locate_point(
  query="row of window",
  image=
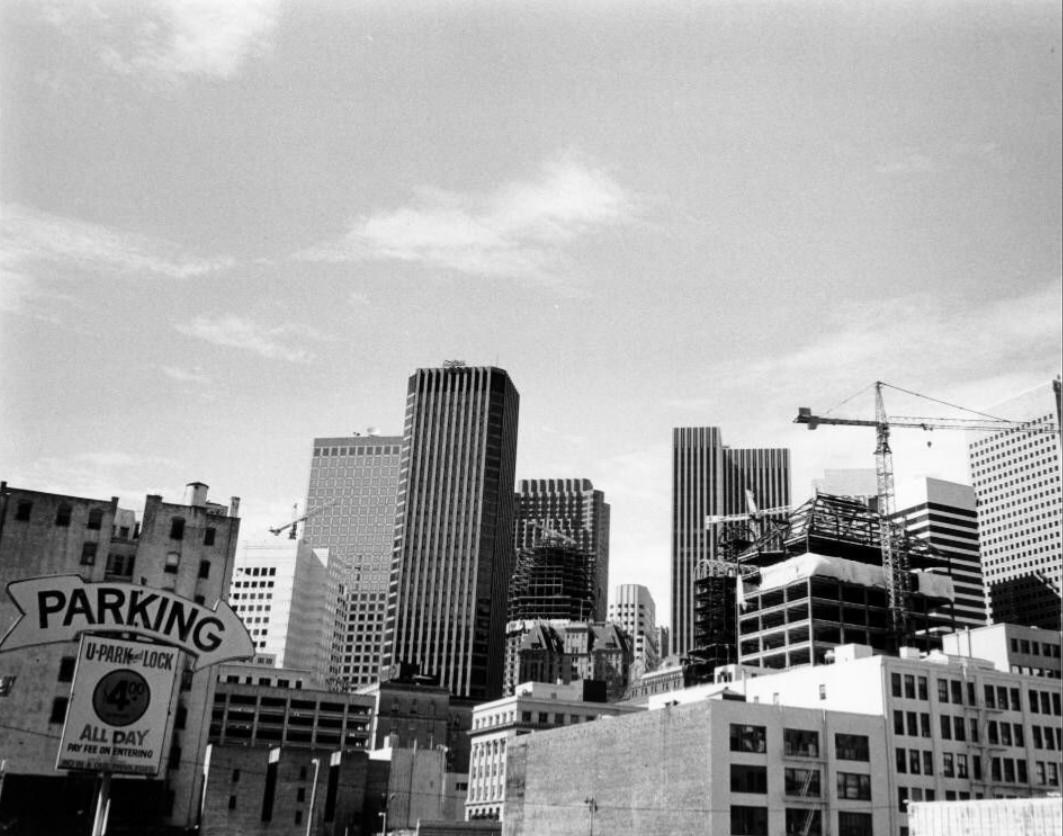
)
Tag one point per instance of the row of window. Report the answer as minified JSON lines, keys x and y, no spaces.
{"x":798,"y":742}
{"x":909,"y":686}
{"x":753,"y":821}
{"x":63,"y":514}
{"x":751,"y":778}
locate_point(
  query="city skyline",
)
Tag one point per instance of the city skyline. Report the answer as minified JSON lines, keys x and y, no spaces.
{"x":229,"y":230}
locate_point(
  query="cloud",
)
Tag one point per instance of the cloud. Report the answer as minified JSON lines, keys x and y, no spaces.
{"x":520,"y":230}
{"x":171,"y":39}
{"x":277,"y":343}
{"x":195,"y":375}
{"x":29,"y":238}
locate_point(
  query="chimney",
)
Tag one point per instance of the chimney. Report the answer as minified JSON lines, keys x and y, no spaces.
{"x":234,"y":506}
{"x":199,"y":494}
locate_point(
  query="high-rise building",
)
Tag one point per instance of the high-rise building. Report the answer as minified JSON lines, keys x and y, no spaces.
{"x":633,"y":609}
{"x":709,"y":478}
{"x":551,"y":580}
{"x":454,"y":528}
{"x":1016,"y":476}
{"x":573,"y":509}
{"x":354,"y":484}
{"x":945,"y":516}
{"x":284,"y":594}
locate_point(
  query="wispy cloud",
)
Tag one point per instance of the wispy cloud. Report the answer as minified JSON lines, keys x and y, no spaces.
{"x":194,"y":376}
{"x":29,"y":238}
{"x":520,"y":230}
{"x":276,"y":343}
{"x":172,"y":39}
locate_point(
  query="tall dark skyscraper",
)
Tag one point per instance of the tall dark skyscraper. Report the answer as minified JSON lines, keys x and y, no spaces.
{"x":575,"y":510}
{"x":709,"y":478}
{"x":454,"y":529}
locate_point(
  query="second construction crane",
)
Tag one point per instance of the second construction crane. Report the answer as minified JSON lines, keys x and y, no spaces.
{"x":894,"y":560}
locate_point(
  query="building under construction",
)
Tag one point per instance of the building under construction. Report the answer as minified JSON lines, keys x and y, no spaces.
{"x":813,"y":581}
{"x":551,"y":581}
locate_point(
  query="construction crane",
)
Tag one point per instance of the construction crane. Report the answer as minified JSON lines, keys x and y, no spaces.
{"x":294,"y":524}
{"x":894,"y":562}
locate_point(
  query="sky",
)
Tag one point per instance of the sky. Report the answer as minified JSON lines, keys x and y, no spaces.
{"x":228,"y":228}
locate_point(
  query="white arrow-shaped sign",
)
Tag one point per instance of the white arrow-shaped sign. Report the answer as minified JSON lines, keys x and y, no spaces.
{"x":57,"y":608}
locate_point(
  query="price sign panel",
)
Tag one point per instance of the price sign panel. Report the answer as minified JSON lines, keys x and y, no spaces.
{"x":116,"y":719}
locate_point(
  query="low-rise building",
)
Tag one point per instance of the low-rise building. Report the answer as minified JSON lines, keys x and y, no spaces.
{"x":719,"y":766}
{"x":1031,"y":651}
{"x":548,"y":651}
{"x":535,"y":706}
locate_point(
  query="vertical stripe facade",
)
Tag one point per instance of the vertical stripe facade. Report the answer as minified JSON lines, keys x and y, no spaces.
{"x":709,"y":478}
{"x":454,"y":528}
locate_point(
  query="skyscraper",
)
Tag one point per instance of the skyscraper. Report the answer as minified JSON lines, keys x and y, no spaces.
{"x":943,"y":514}
{"x":351,"y":499}
{"x":454,"y":528}
{"x":1017,"y":478}
{"x":709,"y":478}
{"x":633,"y":609}
{"x":573,"y":509}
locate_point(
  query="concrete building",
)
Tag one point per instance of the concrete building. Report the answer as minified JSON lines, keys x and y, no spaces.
{"x":1028,"y":816}
{"x":534,"y":707}
{"x":351,"y":499}
{"x":573,"y":509}
{"x":957,"y":728}
{"x":284,"y":594}
{"x":454,"y":534}
{"x":715,"y":766}
{"x":255,"y":791}
{"x":1016,"y":476}
{"x":568,"y":651}
{"x":632,"y":607}
{"x":709,"y":478}
{"x":188,"y":549}
{"x":1030,"y":651}
{"x":258,"y":706}
{"x":944,"y":514}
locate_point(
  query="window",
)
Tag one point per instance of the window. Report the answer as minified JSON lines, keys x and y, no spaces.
{"x":922,"y":688}
{"x":989,"y":699}
{"x":23,"y":510}
{"x":95,"y":519}
{"x":58,"y":710}
{"x":88,"y":554}
{"x":66,"y":668}
{"x":854,"y":824}
{"x":803,"y":823}
{"x":300,"y":794}
{"x":895,"y":684}
{"x":992,"y":732}
{"x":1005,"y":734}
{"x":943,"y":690}
{"x":236,"y":776}
{"x":298,"y":816}
{"x":208,"y":537}
{"x":204,"y":568}
{"x":902,"y":760}
{"x":801,"y":742}
{"x":851,"y":747}
{"x":172,"y":559}
{"x":976,"y":767}
{"x":62,"y":515}
{"x":748,"y":738}
{"x":802,"y":782}
{"x":748,"y":778}
{"x":177,"y":528}
{"x":948,"y":768}
{"x":854,"y":785}
{"x":959,"y":730}
{"x":961,"y":766}
{"x":913,"y":723}
{"x":957,"y":691}
{"x":909,"y":686}
{"x":924,"y":725}
{"x":913,"y":761}
{"x":1016,"y":701}
{"x":898,"y":722}
{"x":232,"y":802}
{"x":946,"y":726}
{"x":974,"y":730}
{"x":928,"y":763}
{"x":902,"y":799}
{"x":749,"y":821}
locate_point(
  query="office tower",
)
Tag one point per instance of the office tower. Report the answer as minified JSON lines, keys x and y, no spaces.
{"x":633,"y":609}
{"x":573,"y":509}
{"x":454,"y":528}
{"x":944,"y":515}
{"x":282,"y":591}
{"x":709,"y":478}
{"x":551,"y":580}
{"x":354,"y":484}
{"x":1016,"y":477}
